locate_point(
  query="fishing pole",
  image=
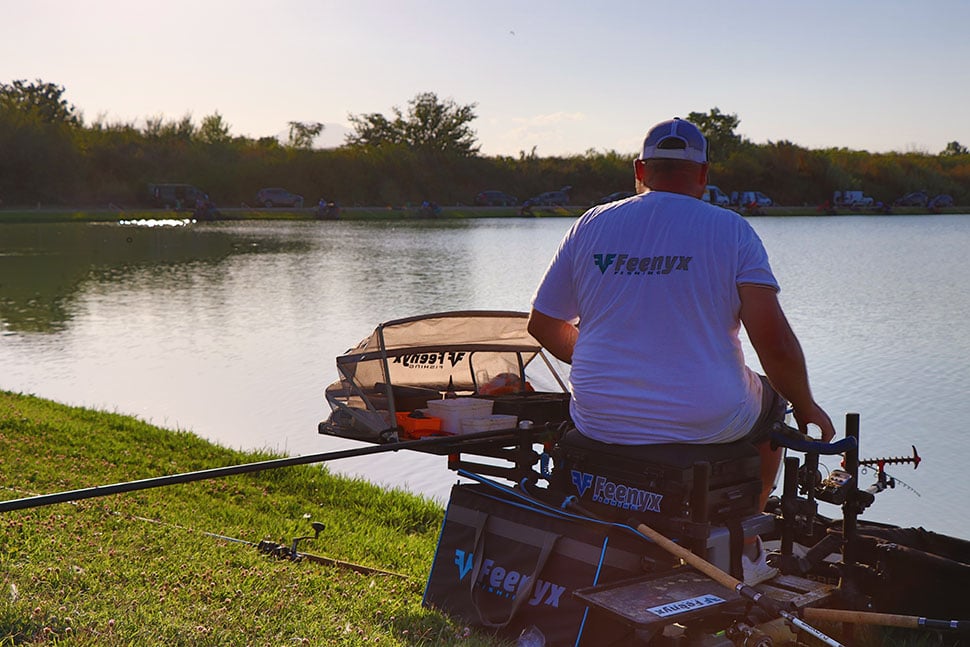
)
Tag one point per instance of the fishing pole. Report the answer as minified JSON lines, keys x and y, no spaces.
{"x":282,"y":551}
{"x":267,"y":547}
{"x":445,"y":443}
{"x":884,"y":619}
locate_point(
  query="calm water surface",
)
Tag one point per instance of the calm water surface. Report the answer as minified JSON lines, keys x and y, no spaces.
{"x":230,"y":330}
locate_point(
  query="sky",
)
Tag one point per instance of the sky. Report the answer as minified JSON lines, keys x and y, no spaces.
{"x":557,"y":77}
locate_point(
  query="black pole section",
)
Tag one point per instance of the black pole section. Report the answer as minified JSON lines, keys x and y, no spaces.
{"x":159,"y":481}
{"x":699,"y":506}
{"x":789,"y":506}
{"x":850,"y":514}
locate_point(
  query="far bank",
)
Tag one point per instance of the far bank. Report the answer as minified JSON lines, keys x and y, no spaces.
{"x":112,"y":213}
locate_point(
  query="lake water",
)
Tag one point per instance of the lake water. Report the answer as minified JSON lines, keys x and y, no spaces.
{"x":230,"y":330}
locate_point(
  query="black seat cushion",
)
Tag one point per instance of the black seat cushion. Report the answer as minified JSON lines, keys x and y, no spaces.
{"x":677,"y":455}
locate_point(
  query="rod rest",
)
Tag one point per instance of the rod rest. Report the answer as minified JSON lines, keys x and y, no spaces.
{"x":784,"y":436}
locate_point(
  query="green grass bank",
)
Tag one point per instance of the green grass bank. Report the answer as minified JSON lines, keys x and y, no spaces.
{"x":145,"y":568}
{"x":177,"y":565}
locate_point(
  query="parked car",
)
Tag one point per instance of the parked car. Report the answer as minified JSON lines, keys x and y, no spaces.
{"x":495,"y":199}
{"x":747,"y":198}
{"x":552,"y":198}
{"x":175,"y":196}
{"x":852,"y":199}
{"x":912,"y":199}
{"x":940,"y":201}
{"x":616,"y":195}
{"x":278,"y":197}
{"x":714,"y":195}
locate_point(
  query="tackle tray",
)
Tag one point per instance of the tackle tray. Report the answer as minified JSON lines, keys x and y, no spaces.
{"x":540,"y":408}
{"x":654,"y":601}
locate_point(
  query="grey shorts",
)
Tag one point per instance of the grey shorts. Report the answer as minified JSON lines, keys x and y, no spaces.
{"x":773,"y":409}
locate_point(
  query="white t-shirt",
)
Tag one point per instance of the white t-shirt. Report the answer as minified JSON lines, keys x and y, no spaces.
{"x":653,"y":282}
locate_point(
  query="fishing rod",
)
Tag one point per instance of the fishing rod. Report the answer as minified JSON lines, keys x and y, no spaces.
{"x":282,"y":551}
{"x":884,"y":619}
{"x":440,"y":443}
{"x":274,"y":549}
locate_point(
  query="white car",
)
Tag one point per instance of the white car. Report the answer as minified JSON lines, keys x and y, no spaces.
{"x":757,"y":198}
{"x":278,"y":197}
{"x":714,"y":195}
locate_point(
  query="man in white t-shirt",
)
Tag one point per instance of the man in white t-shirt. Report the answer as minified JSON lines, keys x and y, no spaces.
{"x":646,"y":297}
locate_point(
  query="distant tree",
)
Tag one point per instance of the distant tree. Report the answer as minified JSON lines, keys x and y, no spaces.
{"x":214,"y":130}
{"x":719,"y":130}
{"x":372,"y":131}
{"x":431,"y":125}
{"x":954,"y":148}
{"x":268,"y":142}
{"x":157,"y":128}
{"x":302,"y":134}
{"x":39,"y":100}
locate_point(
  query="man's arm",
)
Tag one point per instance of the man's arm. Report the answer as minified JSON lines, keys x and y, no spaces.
{"x":555,"y":335}
{"x":781,"y":355}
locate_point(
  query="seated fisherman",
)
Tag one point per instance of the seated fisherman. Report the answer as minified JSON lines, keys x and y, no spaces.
{"x":645,"y":298}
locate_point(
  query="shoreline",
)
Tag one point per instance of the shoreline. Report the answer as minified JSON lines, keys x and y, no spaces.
{"x":116,"y":213}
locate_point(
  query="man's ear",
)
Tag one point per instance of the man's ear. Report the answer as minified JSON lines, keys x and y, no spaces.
{"x":703,"y":174}
{"x":638,"y":169}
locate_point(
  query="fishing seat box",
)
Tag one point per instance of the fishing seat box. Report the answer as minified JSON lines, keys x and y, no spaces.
{"x":504,"y":564}
{"x":655,"y":482}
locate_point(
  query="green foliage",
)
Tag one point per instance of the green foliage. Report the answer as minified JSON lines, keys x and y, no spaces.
{"x":303,"y":133}
{"x":719,"y":129}
{"x":426,"y":152}
{"x":214,"y":130}
{"x":38,"y":130}
{"x":431,"y":126}
{"x":39,"y":101}
{"x":955,"y":148}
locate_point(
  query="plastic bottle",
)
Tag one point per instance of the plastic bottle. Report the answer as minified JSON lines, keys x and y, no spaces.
{"x":531,"y":637}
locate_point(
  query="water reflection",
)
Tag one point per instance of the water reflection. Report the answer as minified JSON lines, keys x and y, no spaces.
{"x":43,"y":268}
{"x":230,"y":329}
{"x":155,"y":222}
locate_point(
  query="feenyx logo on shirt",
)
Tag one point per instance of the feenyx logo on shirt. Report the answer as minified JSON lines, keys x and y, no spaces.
{"x":645,"y":265}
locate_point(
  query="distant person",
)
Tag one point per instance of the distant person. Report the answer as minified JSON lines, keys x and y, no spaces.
{"x":646,"y":298}
{"x":327,"y":210}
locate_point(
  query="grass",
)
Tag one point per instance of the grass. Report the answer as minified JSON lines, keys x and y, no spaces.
{"x":139,"y":568}
{"x":145,"y":568}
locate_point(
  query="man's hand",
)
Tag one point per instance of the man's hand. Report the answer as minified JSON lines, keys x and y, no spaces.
{"x":814,"y":415}
{"x":781,"y":355}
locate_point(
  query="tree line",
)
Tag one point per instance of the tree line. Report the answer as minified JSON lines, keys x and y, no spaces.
{"x":428,"y":151}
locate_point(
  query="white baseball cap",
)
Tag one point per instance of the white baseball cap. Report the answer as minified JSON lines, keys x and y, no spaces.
{"x":675,"y":139}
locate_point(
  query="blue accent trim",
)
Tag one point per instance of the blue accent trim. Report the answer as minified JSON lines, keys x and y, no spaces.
{"x":434,"y":559}
{"x":544,"y":470}
{"x":582,"y":626}
{"x":810,"y":446}
{"x":546,"y":509}
{"x":596,"y":580}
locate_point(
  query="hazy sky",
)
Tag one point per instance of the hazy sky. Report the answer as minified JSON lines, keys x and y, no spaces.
{"x":561,"y":76}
